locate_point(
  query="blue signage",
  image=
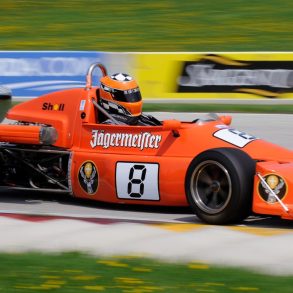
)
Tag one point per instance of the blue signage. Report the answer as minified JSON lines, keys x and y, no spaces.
{"x":32,"y":73}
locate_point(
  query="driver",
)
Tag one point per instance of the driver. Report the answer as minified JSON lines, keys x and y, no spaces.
{"x":120,"y":97}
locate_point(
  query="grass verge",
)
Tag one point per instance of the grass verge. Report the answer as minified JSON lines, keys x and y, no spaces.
{"x":204,"y":108}
{"x":166,"y":25}
{"x":75,"y":272}
{"x":218,"y":108}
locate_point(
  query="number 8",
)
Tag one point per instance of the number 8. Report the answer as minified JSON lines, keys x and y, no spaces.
{"x":136,"y":181}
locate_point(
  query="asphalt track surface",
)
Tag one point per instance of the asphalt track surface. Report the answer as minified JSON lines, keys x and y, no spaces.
{"x":48,"y":222}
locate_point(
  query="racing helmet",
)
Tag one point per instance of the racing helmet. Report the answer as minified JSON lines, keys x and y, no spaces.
{"x":120,"y":92}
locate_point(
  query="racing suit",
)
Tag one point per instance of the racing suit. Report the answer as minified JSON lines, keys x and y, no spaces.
{"x":121,"y":115}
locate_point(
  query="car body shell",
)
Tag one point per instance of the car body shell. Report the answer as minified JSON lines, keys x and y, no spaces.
{"x":146,"y":164}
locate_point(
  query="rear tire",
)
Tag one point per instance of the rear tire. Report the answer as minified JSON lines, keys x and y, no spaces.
{"x":219,"y":185}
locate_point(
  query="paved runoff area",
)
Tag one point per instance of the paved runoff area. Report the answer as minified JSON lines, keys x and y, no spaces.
{"x":266,"y":250}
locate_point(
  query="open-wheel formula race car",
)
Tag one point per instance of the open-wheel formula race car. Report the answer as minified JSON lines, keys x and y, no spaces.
{"x":58,"y":144}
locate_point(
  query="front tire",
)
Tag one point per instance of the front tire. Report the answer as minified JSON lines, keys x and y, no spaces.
{"x":219,"y":185}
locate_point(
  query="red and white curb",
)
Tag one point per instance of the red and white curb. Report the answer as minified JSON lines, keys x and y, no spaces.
{"x":264,"y":249}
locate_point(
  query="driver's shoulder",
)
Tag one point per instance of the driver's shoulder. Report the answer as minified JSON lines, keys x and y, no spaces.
{"x":149,"y":120}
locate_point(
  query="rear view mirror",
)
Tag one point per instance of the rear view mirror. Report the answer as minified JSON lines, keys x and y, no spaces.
{"x":227,"y":119}
{"x":172,"y":125}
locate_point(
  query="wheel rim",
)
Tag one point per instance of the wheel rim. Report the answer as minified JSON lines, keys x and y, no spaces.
{"x":211,"y":187}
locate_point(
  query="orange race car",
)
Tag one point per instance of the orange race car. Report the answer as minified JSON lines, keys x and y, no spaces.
{"x":59,"y":144}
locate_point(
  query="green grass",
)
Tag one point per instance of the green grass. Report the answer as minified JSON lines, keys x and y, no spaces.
{"x":74,"y":272}
{"x":133,"y":25}
{"x":193,"y":107}
{"x":218,"y":108}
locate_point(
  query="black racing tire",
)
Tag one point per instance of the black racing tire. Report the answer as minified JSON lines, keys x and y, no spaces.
{"x":219,"y":185}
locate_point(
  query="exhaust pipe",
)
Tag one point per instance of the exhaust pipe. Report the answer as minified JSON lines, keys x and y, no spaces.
{"x":28,"y":134}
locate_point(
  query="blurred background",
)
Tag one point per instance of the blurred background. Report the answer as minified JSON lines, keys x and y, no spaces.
{"x":175,"y":26}
{"x":165,"y":25}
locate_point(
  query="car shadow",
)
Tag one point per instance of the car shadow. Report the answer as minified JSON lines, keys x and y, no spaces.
{"x":182,"y":215}
{"x":35,"y":197}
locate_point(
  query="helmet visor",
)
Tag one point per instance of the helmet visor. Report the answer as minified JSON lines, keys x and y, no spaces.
{"x":130,"y":96}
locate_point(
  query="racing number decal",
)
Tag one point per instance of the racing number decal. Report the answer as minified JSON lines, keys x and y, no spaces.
{"x":137,"y":181}
{"x":235,"y":137}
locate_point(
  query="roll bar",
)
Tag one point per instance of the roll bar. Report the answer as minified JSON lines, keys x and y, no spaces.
{"x":89,"y":76}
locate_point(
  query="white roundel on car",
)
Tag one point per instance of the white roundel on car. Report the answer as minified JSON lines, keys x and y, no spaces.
{"x":235,"y":137}
{"x":121,"y":77}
